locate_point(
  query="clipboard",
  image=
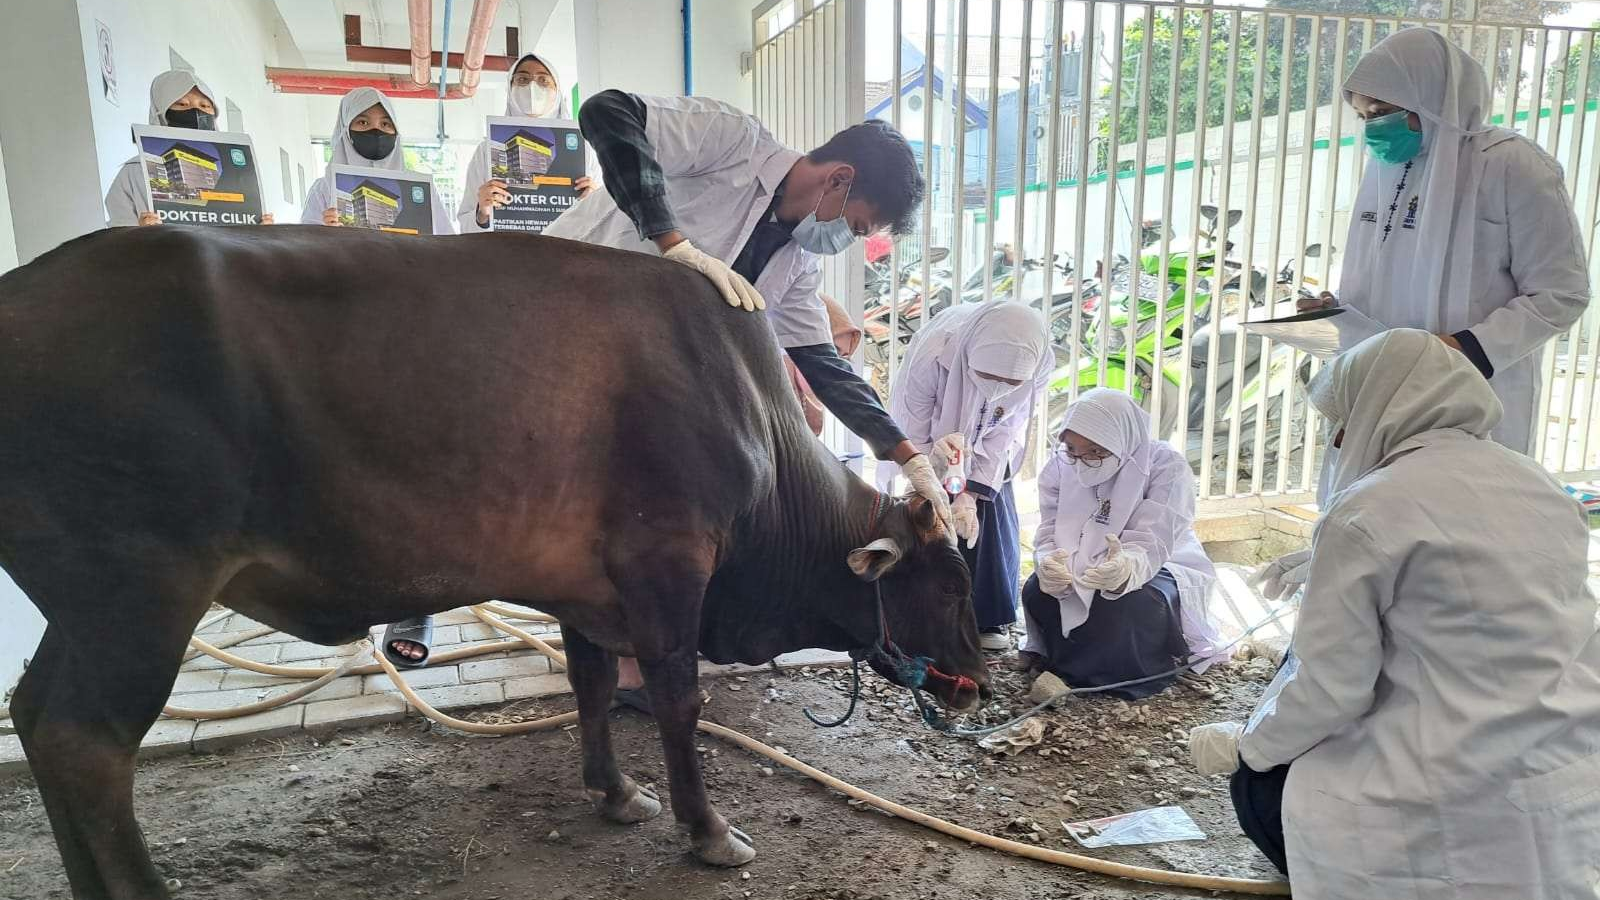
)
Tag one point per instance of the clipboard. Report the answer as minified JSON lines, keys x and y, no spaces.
{"x":1323,"y":333}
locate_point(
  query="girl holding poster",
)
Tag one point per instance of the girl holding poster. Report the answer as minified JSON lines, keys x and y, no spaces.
{"x":177,"y":100}
{"x":365,"y":135}
{"x":535,"y":93}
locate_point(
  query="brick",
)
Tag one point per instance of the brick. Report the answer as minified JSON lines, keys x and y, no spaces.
{"x":417,"y":679}
{"x":813,"y":658}
{"x":241,"y":679}
{"x":462,"y":696}
{"x":266,"y":653}
{"x":512,"y":667}
{"x":455,"y":617}
{"x":217,"y":733}
{"x":207,"y":680}
{"x":479,"y":632}
{"x":352,"y":712}
{"x":12,"y":760}
{"x":339,"y":689}
{"x":551,"y":685}
{"x":297,"y":651}
{"x":446,"y":634}
{"x":166,"y":737}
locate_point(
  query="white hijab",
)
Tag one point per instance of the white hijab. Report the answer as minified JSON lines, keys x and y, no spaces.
{"x":1417,"y":70}
{"x":169,"y":87}
{"x":354,"y":104}
{"x":1393,"y":387}
{"x":998,"y":338}
{"x":1085,"y":515}
{"x":514,"y":107}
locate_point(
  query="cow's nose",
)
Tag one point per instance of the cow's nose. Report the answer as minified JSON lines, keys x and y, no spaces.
{"x":985,"y":693}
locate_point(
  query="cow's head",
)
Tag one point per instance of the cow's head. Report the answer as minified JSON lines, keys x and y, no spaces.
{"x":927,"y":597}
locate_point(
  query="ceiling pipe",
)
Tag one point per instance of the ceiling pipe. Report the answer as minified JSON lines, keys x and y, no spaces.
{"x":335,"y":82}
{"x":483,"y":13}
{"x":420,"y":14}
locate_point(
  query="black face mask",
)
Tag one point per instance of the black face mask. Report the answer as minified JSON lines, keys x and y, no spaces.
{"x":373,"y":144}
{"x":193,"y":117}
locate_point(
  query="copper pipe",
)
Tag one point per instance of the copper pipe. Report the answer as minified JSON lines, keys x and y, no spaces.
{"x":420,"y":14}
{"x":483,"y":12}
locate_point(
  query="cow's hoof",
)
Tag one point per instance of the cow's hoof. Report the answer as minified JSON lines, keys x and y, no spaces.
{"x":638,"y":804}
{"x":733,"y":848}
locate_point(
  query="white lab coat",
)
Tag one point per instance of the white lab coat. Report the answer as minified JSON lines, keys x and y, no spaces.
{"x":1481,"y":234}
{"x":721,"y":167}
{"x":1441,"y":703}
{"x":1161,"y":524}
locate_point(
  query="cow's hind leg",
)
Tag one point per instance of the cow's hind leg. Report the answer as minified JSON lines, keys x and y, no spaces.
{"x":593,"y":672}
{"x":108,"y":662}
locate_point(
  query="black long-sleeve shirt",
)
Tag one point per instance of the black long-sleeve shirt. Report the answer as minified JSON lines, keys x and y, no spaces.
{"x":613,"y":122}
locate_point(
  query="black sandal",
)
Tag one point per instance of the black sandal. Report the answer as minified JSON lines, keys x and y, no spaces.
{"x":417,"y":631}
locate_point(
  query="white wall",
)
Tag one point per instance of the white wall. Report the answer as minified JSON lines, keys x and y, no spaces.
{"x":637,"y":46}
{"x":8,"y":237}
{"x":229,"y":44}
{"x":721,"y":33}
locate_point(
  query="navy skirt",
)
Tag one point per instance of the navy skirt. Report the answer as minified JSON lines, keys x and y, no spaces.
{"x":996,"y":562}
{"x":1137,"y":635}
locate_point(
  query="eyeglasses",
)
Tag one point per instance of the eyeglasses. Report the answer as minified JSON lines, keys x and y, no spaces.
{"x":522,"y":78}
{"x":1092,"y":459}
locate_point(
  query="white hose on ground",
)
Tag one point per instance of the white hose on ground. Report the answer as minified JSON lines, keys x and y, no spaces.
{"x":487,"y":613}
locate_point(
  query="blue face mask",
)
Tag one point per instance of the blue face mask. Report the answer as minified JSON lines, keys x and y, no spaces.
{"x":1391,"y":140}
{"x":825,"y":238}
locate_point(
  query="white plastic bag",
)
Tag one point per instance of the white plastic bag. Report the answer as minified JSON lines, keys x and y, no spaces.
{"x":1147,"y":826}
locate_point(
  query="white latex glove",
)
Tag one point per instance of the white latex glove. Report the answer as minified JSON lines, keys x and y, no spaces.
{"x":949,"y":452}
{"x":965,"y":511}
{"x":734,"y":288}
{"x":1122,"y":569}
{"x":919,"y":472}
{"x":1055,"y":573}
{"x":1214,"y":748}
{"x":1284,"y":575}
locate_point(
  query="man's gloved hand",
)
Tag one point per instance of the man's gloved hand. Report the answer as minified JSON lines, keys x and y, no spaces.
{"x":734,"y":288}
{"x":1284,"y":575}
{"x":1214,"y":748}
{"x":1123,"y":568}
{"x":1055,"y":573}
{"x":965,"y":512}
{"x":919,"y":472}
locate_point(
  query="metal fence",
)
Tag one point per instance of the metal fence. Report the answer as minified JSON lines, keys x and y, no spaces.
{"x":1151,"y":175}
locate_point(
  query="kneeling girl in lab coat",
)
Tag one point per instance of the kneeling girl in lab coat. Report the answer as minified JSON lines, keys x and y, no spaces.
{"x":1120,"y":586}
{"x":1434,"y":733}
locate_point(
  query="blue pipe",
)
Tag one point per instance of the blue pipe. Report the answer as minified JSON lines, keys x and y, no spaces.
{"x":688,"y":48}
{"x":444,"y":67}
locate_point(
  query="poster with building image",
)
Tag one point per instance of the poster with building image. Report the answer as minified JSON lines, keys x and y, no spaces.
{"x":540,"y":161}
{"x":199,"y":177}
{"x":383,"y":199}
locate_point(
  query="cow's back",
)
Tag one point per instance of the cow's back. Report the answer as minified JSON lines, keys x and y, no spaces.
{"x":331,"y":397}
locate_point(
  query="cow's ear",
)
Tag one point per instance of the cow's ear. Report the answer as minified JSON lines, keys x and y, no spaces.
{"x":872,"y":561}
{"x":925,"y":520}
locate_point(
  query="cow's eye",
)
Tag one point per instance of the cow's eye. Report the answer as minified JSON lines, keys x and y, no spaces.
{"x":951,"y":588}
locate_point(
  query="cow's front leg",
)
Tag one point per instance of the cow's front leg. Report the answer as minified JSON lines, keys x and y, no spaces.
{"x":593,"y":673}
{"x":673,"y":684}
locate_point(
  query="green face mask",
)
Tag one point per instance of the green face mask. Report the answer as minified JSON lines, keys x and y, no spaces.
{"x":1391,"y":139}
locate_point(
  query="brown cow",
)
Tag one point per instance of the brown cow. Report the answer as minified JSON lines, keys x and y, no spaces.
{"x":328,"y":428}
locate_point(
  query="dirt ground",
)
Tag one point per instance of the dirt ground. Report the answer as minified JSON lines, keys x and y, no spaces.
{"x":412,"y":810}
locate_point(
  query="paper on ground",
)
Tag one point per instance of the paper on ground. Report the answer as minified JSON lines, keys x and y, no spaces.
{"x":1324,"y":333}
{"x":1147,"y":826}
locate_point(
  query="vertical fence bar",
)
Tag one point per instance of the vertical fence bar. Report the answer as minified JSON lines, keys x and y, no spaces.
{"x":1052,"y":191}
{"x":1136,"y":240}
{"x":1303,"y":227}
{"x":991,"y":207}
{"x":1536,"y":84}
{"x":1196,"y":194}
{"x":1108,"y":230}
{"x":1519,"y":37}
{"x":1019,"y":178}
{"x":1279,"y":172}
{"x":1575,"y":160}
{"x":958,"y":121}
{"x":1587,"y":229}
{"x":1541,"y":434}
{"x":1169,"y":190}
{"x":1219,"y":267}
{"x":1241,"y":340}
{"x":1086,"y":56}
